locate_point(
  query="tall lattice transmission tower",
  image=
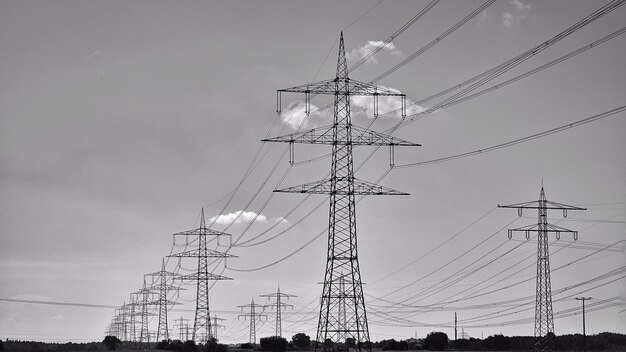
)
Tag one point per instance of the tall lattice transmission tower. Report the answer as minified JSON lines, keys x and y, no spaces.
{"x":202,"y":331}
{"x":544,"y":321}
{"x":342,"y":186}
{"x":162,"y":287}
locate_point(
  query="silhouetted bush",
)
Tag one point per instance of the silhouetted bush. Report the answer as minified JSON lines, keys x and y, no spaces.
{"x":274,"y":344}
{"x":436,"y":341}
{"x":111,"y":342}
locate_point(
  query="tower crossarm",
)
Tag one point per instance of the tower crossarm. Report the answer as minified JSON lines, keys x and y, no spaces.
{"x":202,"y":276}
{"x":325,"y":187}
{"x":541,"y":204}
{"x":536,"y":205}
{"x":202,"y":231}
{"x":164,"y":273}
{"x":196,"y":253}
{"x":360,"y":136}
{"x":167,"y":287}
{"x":558,"y":230}
{"x":350,"y":87}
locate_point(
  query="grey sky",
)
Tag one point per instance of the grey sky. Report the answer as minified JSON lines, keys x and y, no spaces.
{"x":119,"y":120}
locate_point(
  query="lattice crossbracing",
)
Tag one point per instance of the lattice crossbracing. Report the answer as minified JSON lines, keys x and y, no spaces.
{"x":342,"y":320}
{"x":544,"y":321}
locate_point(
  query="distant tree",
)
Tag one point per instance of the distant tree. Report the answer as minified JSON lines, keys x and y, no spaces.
{"x":1,"y":346}
{"x":496,"y":342}
{"x":111,"y":342}
{"x":301,"y":341}
{"x":163,"y":345}
{"x":274,"y":344}
{"x":213,"y":346}
{"x":189,"y":346}
{"x":436,"y":341}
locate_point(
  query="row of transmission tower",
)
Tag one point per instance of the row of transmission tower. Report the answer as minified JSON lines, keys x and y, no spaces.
{"x":131,"y":321}
{"x":342,"y":323}
{"x":278,"y":306}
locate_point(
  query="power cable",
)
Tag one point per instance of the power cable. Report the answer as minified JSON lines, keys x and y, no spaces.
{"x":519,"y":140}
{"x":394,"y":35}
{"x":435,"y":41}
{"x":497,"y":71}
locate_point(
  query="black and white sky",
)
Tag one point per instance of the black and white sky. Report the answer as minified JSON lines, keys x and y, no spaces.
{"x":120,"y":120}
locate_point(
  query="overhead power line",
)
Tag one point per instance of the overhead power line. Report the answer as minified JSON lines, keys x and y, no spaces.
{"x":57,"y":303}
{"x":435,"y":41}
{"x":519,"y":140}
{"x":394,"y":35}
{"x":487,"y":76}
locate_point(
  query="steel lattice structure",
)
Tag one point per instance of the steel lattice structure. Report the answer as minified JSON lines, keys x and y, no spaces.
{"x":216,"y":324}
{"x":351,"y":332}
{"x":144,"y":300}
{"x":163,"y":288}
{"x":202,"y":331}
{"x":544,"y":321}
{"x":253,"y":316}
{"x":279,"y":308}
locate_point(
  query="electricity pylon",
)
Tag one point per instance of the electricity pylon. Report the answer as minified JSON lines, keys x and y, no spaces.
{"x":132,"y":318}
{"x":342,"y":187}
{"x":183,"y":328}
{"x":202,"y":320}
{"x":279,"y":307}
{"x":163,"y":287}
{"x":216,"y":324}
{"x":544,"y":321}
{"x":252,"y":316}
{"x":145,"y":292}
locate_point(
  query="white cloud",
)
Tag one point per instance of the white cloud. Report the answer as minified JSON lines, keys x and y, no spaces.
{"x":507,"y":19}
{"x":359,"y":53}
{"x":294,"y":115}
{"x":520,"y":5}
{"x":241,"y":216}
{"x":365,"y":105}
{"x":482,"y":17}
{"x":238,"y":217}
{"x":519,"y":13}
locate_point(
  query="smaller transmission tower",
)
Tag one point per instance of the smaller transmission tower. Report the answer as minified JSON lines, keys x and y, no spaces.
{"x":253,"y":317}
{"x":216,"y":324}
{"x":183,"y":328}
{"x":146,"y":300}
{"x":280,"y":306}
{"x":131,"y":311}
{"x":162,"y":288}
{"x":544,"y":321}
{"x":202,"y":322}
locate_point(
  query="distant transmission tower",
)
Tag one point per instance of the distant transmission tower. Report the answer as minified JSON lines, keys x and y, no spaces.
{"x":216,"y":324}
{"x":202,"y":331}
{"x":253,"y":317}
{"x":342,"y":188}
{"x":146,"y":300}
{"x":132,"y":313}
{"x":183,"y":328}
{"x":544,"y":322}
{"x":162,"y":276}
{"x":279,"y":308}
